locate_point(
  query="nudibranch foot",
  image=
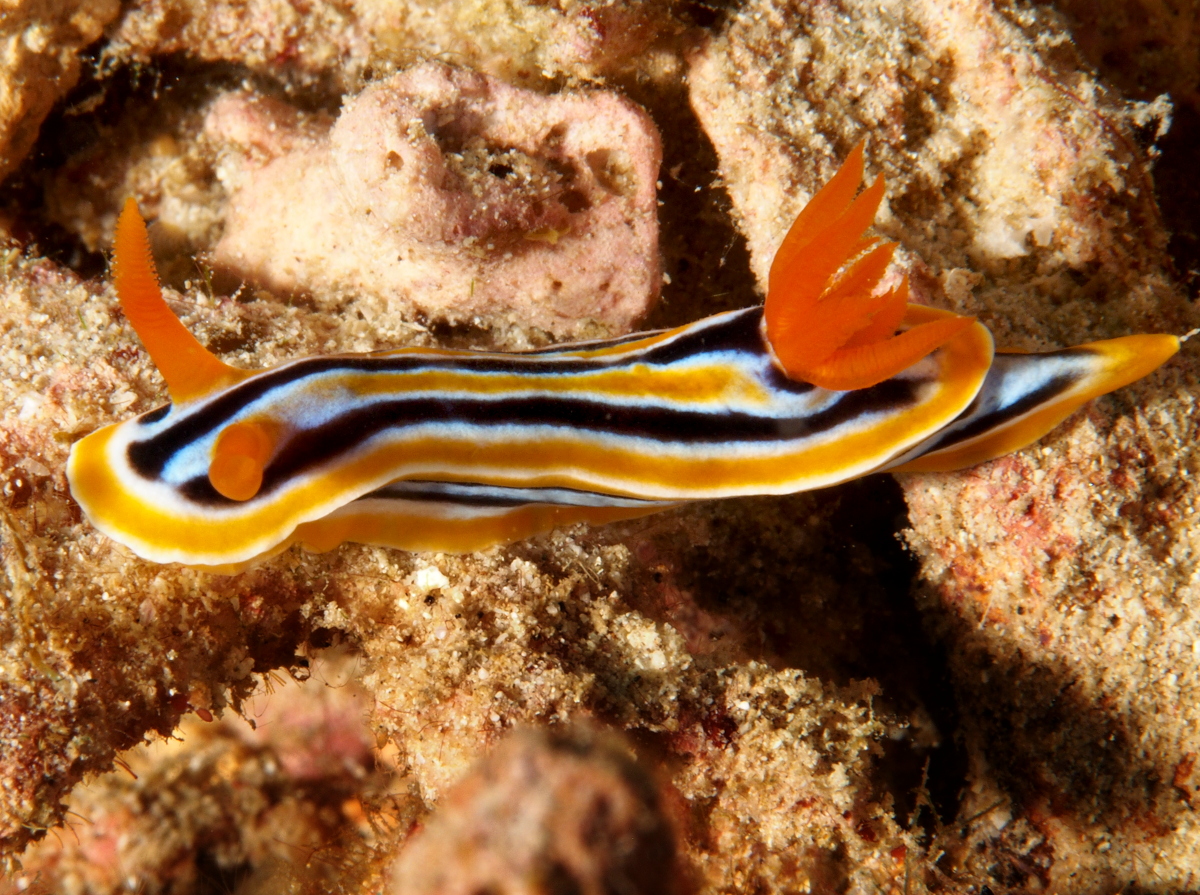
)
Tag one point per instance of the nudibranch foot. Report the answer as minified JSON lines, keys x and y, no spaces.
{"x":449,"y":517}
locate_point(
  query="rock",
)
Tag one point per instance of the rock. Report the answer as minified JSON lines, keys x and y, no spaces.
{"x":348,"y":43}
{"x":40,"y":44}
{"x":563,"y":810}
{"x":280,"y":806}
{"x":448,"y":193}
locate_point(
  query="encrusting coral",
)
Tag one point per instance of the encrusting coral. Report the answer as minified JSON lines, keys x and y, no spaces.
{"x":449,"y":193}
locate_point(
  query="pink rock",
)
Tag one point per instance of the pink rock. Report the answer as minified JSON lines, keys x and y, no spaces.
{"x":448,"y":193}
{"x":261,"y":127}
{"x":547,"y":812}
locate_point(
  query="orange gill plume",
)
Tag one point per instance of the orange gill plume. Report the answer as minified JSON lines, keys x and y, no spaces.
{"x":824,"y":320}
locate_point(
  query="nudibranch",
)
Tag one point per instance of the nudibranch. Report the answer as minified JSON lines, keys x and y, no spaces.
{"x":453,"y":450}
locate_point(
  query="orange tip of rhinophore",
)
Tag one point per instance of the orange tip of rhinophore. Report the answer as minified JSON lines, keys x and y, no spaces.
{"x":239,"y":457}
{"x":832,"y":329}
{"x":191,"y":371}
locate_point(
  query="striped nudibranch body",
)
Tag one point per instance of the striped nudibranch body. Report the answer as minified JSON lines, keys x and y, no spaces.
{"x":428,"y":449}
{"x":694,"y":413}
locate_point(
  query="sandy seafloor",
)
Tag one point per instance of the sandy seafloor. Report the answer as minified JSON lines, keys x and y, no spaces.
{"x":969,"y":682}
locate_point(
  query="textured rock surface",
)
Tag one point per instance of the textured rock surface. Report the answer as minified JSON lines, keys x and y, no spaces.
{"x":283,"y":802}
{"x":546,"y":812}
{"x":344,"y":43}
{"x":452,"y":194}
{"x":762,"y":656}
{"x":40,"y":43}
{"x":465,"y":648}
{"x":1063,"y":580}
{"x":1146,"y":48}
{"x":1016,"y":185}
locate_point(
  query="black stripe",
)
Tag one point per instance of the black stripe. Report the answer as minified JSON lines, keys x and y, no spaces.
{"x":481,"y":495}
{"x":153,"y":416}
{"x":318,"y":446}
{"x":461,"y":498}
{"x":741,"y":332}
{"x":1000,"y":416}
{"x":149,"y":456}
{"x":593,"y":344}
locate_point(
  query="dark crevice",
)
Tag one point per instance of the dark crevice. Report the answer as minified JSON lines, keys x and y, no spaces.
{"x":112,"y":106}
{"x":1177,"y":183}
{"x":896,"y":650}
{"x":216,"y":877}
{"x":710,"y":15}
{"x":704,"y":254}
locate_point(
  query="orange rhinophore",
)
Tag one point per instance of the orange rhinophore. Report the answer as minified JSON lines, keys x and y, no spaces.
{"x":240,"y":454}
{"x":833,"y":329}
{"x":190,"y":369}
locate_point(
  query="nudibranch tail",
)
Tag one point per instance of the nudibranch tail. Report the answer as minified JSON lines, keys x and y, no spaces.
{"x":191,"y":371}
{"x":833,"y":330}
{"x":1026,"y":395}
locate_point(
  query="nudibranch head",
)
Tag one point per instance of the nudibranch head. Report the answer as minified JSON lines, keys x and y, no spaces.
{"x":155,"y":491}
{"x":189,"y":503}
